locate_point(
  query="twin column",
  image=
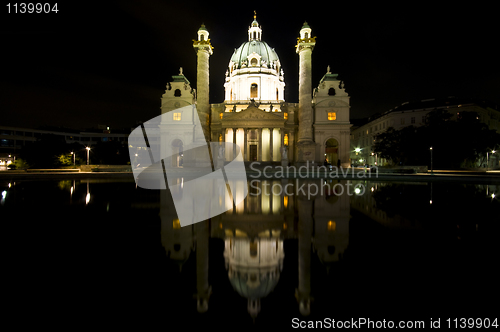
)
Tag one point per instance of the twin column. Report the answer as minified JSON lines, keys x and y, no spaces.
{"x":244,"y":148}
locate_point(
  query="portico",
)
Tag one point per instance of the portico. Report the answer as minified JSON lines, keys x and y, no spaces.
{"x":261,"y":135}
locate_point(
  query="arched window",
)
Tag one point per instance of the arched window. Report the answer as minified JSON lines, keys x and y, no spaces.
{"x":254,"y":35}
{"x":306,"y":35}
{"x":202,"y":37}
{"x":231,"y":95}
{"x":277,"y":94}
{"x":177,"y":93}
{"x":253,"y":62}
{"x":331,"y":92}
{"x":253,"y":91}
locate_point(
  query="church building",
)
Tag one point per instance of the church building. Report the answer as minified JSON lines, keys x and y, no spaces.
{"x":255,"y":115}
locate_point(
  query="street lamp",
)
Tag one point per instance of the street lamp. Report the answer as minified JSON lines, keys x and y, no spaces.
{"x":487,"y":160}
{"x":431,"y":161}
{"x":88,"y":149}
{"x":73,"y":158}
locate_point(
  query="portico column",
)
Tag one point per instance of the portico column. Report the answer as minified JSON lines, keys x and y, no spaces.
{"x":282,"y":136}
{"x":245,"y":154}
{"x":259,"y":154}
{"x":271,"y":143}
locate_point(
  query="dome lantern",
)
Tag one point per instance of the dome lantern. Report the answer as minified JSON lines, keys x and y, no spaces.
{"x":254,"y":31}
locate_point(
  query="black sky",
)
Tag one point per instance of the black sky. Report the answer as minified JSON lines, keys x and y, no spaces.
{"x":108,"y":62}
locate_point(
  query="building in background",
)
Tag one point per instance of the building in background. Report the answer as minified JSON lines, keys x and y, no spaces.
{"x":414,"y":114}
{"x":12,"y":139}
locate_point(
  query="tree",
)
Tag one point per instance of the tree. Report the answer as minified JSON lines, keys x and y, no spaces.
{"x":460,"y":143}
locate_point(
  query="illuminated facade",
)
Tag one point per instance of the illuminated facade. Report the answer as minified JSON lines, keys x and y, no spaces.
{"x":256,"y":116}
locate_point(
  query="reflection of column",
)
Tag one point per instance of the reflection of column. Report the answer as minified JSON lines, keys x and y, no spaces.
{"x":303,"y":292}
{"x":245,"y":150}
{"x":259,"y":157}
{"x":234,"y":142}
{"x":271,"y":143}
{"x":203,"y":288}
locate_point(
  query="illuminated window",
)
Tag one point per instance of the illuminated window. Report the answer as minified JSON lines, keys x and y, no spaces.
{"x":332,"y":116}
{"x":253,"y":90}
{"x":332,"y":225}
{"x":285,"y":139}
{"x":176,"y":224}
{"x":253,"y":62}
{"x":285,"y":202}
{"x":177,"y":116}
{"x":285,"y":116}
{"x":220,"y":137}
{"x":221,"y":115}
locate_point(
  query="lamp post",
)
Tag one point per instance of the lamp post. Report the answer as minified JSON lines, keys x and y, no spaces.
{"x":88,"y":149}
{"x":488,"y":160}
{"x":431,"y":161}
{"x":73,"y":158}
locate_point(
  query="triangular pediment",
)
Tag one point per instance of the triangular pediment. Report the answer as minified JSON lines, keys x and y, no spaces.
{"x":252,"y":113}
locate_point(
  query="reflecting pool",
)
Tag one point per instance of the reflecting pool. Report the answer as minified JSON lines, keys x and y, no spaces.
{"x":91,"y":249}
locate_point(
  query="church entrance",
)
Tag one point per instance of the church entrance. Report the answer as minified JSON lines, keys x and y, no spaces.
{"x":177,"y":153}
{"x":253,"y":153}
{"x":331,"y":152}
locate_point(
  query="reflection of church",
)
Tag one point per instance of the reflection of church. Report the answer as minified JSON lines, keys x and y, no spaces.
{"x":254,"y":232}
{"x":254,"y":114}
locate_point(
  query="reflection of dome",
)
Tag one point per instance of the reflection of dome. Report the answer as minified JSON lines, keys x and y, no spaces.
{"x":254,"y":266}
{"x":254,"y":283}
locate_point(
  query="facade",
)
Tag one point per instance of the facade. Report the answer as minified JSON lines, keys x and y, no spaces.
{"x":255,"y":115}
{"x":414,"y":114}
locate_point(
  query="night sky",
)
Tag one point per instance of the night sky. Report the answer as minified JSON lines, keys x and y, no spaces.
{"x":93,"y":64}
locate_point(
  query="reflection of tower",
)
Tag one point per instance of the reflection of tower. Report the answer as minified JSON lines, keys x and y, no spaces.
{"x":203,"y":289}
{"x":203,"y":50}
{"x":254,"y":265}
{"x":179,"y":242}
{"x":331,"y":223}
{"x":305,"y":140}
{"x":303,"y":292}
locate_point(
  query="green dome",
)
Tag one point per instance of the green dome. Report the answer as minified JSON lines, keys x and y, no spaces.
{"x":267,"y":53}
